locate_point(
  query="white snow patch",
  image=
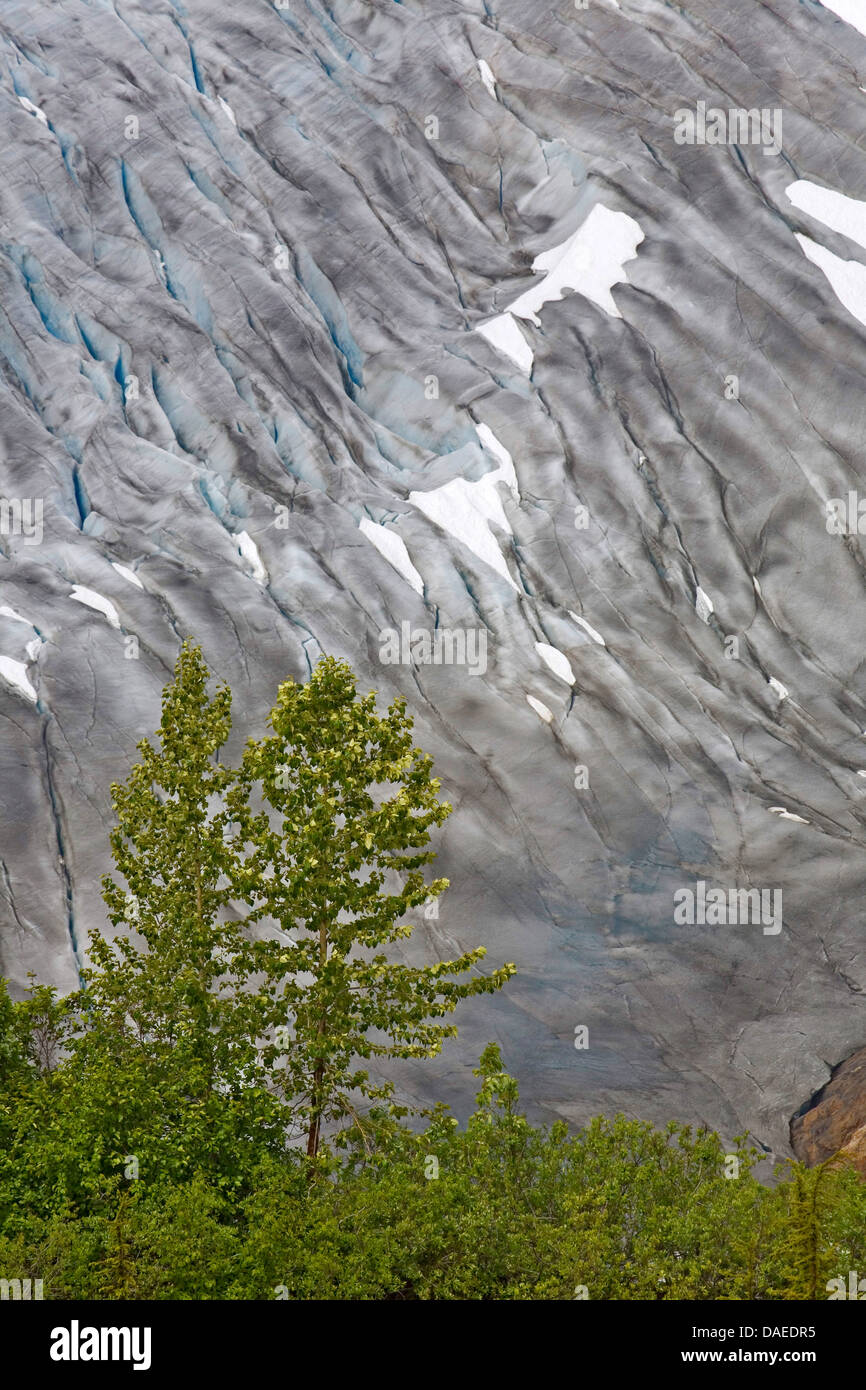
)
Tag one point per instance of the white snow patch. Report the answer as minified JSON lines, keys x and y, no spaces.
{"x":228,"y":110}
{"x":558,"y":663}
{"x":780,"y":689}
{"x":836,"y":210}
{"x":487,"y":77}
{"x":844,"y":215}
{"x":31,"y":647}
{"x":250,"y":551}
{"x":94,"y":600}
{"x":127,"y":574}
{"x":465,"y":510}
{"x":852,"y":11}
{"x":504,"y":334}
{"x":15,"y":672}
{"x":393,"y":547}
{"x":540,"y":709}
{"x":587,"y":627}
{"x":847,"y":278}
{"x":703,"y":605}
{"x":788,"y":815}
{"x":34,"y":110}
{"x":7,"y":612}
{"x":506,"y":471}
{"x":590,"y":262}
{"x":861,"y":772}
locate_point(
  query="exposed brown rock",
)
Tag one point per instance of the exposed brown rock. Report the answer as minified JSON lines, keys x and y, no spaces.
{"x":834,"y":1119}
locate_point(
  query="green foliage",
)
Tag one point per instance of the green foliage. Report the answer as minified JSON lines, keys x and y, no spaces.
{"x":497,"y":1209}
{"x":149,"y":1123}
{"x":161,"y":1066}
{"x":809,"y":1198}
{"x":354,"y":803}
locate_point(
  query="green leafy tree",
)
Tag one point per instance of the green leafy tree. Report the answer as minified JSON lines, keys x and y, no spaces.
{"x":336,"y":857}
{"x":168,"y":1052}
{"x":809,"y":1199}
{"x":35,"y":1034}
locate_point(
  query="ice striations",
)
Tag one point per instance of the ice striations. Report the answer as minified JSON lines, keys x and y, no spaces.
{"x":336,"y":326}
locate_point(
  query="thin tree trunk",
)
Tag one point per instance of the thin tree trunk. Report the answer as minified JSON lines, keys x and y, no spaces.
{"x":319,"y":1073}
{"x":315,"y":1122}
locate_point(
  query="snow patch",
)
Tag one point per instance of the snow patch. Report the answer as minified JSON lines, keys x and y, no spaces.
{"x":590,"y":262}
{"x":487,"y":77}
{"x":504,"y":334}
{"x":780,"y":689}
{"x":465,"y":510}
{"x":228,"y":110}
{"x":393,"y":547}
{"x":127,"y":574}
{"x":852,"y":11}
{"x":94,"y":600}
{"x":540,"y":709}
{"x":506,"y":471}
{"x":788,"y":815}
{"x":558,"y":663}
{"x":7,"y":612}
{"x":34,"y":110}
{"x":837,"y":211}
{"x":15,"y":672}
{"x":596,"y":636}
{"x":250,"y":551}
{"x":703,"y":605}
{"x":847,"y":278}
{"x":35,"y":642}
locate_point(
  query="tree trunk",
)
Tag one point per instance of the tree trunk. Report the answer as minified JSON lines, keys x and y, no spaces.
{"x":319,"y":1073}
{"x":316,"y":1119}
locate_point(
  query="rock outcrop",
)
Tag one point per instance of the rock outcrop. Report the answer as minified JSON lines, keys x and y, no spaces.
{"x":834,"y":1120}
